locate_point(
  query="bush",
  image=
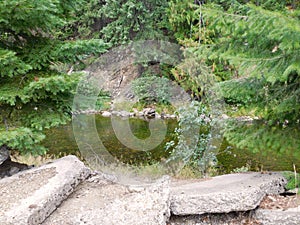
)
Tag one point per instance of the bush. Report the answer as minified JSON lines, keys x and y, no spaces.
{"x":152,"y":89}
{"x":193,"y":134}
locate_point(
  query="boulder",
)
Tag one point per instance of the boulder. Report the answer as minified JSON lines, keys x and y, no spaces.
{"x":124,"y":113}
{"x":223,"y":194}
{"x":115,"y":113}
{"x":149,"y":112}
{"x":4,"y":153}
{"x":157,"y":116}
{"x":9,"y":168}
{"x":29,"y":197}
{"x":114,"y":71}
{"x":106,"y":114}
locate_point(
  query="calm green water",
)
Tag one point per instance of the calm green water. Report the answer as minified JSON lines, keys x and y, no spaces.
{"x":61,"y":141}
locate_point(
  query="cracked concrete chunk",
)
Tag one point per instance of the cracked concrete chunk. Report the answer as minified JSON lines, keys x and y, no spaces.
{"x":223,"y":194}
{"x":100,"y":203}
{"x":271,"y":217}
{"x":31,"y":196}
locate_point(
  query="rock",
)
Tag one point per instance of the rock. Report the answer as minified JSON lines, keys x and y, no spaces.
{"x":223,"y":194}
{"x":167,"y":116}
{"x":29,"y":197}
{"x":225,"y":117}
{"x":124,"y":113}
{"x":149,"y":112}
{"x":98,"y":177}
{"x":115,"y":113}
{"x":106,"y":114}
{"x":128,"y":93}
{"x":9,"y":168}
{"x":114,"y":71}
{"x":135,"y":111}
{"x":271,"y":217}
{"x":108,"y":203}
{"x":4,"y":153}
{"x":244,"y":119}
{"x":140,"y":114}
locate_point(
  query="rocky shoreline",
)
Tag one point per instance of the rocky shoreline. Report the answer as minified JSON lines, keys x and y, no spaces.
{"x":147,"y":113}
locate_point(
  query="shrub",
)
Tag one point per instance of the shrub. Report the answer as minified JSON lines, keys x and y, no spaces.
{"x":152,"y":89}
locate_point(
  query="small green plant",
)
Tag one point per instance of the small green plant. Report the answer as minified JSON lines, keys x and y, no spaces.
{"x":293,"y":181}
{"x":152,"y":89}
{"x":193,"y":136}
{"x":242,"y":169}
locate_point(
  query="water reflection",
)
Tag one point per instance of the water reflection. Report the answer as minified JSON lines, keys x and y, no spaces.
{"x":260,"y":147}
{"x":62,"y":140}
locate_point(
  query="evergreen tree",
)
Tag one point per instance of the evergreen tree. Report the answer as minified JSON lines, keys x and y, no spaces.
{"x":133,"y":20}
{"x":36,"y":58}
{"x":263,"y":46}
{"x":254,"y":46}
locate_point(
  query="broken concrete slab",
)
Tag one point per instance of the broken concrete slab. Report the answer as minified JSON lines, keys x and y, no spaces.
{"x":271,"y":217}
{"x":97,"y":201}
{"x":31,"y":196}
{"x":223,"y":194}
{"x":233,"y":218}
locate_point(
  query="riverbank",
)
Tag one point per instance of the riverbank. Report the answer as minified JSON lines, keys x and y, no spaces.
{"x":147,"y":113}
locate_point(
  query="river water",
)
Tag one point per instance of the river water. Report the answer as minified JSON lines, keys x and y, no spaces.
{"x":60,"y":141}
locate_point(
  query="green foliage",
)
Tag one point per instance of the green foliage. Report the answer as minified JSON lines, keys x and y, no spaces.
{"x":293,"y":180}
{"x":11,"y":65}
{"x":40,"y":16}
{"x":184,"y":23}
{"x":276,"y":103}
{"x":238,"y":41}
{"x":133,"y":20}
{"x":23,"y":139}
{"x":253,"y":39}
{"x":152,"y":89}
{"x":87,"y":21}
{"x":242,"y":169}
{"x":193,"y":75}
{"x":193,"y":136}
{"x":190,"y":30}
{"x":243,"y":91}
{"x":51,"y":52}
{"x":34,"y":94}
{"x":259,"y":137}
{"x":254,"y":46}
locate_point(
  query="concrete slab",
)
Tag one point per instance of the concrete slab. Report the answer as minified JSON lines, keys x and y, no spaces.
{"x":223,"y":194}
{"x":271,"y":217}
{"x":31,"y":196}
{"x":233,"y":218}
{"x":99,"y":202}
